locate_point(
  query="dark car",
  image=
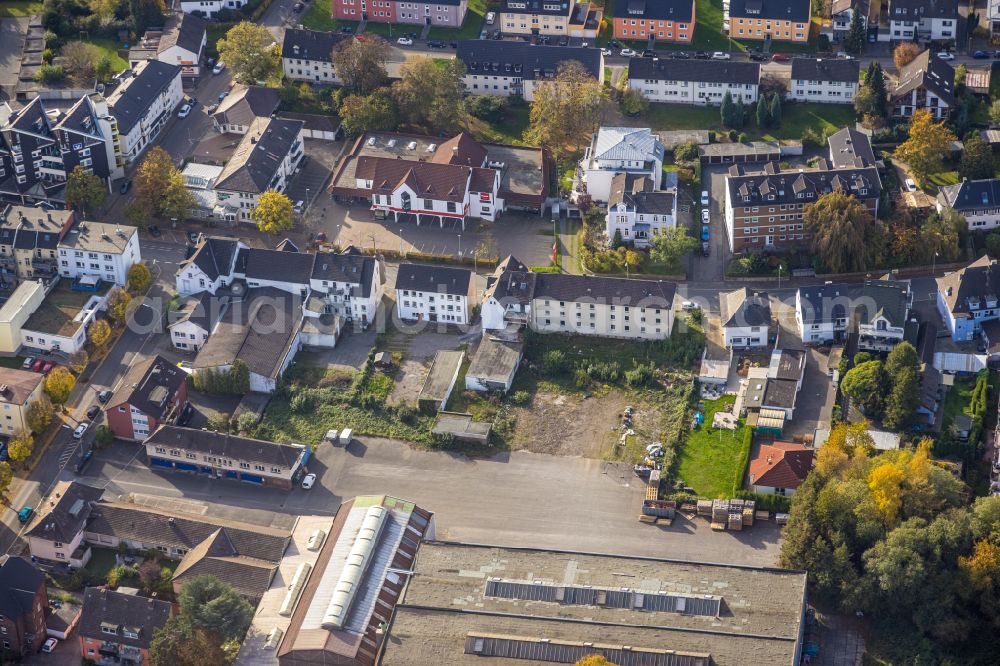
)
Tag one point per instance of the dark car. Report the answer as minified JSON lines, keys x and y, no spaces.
{"x":615,"y":44}
{"x":298,"y":7}
{"x":563,"y":41}
{"x":981,"y":55}
{"x":186,"y":414}
{"x":453,"y":45}
{"x":497,"y":34}
{"x":126,"y":186}
{"x":434,"y":44}
{"x":701,"y":55}
{"x":347,"y":29}
{"x":153,"y":230}
{"x":649,"y":53}
{"x":93,"y":411}
{"x":758,"y":57}
{"x":705,"y":249}
{"x":82,"y":462}
{"x":682,"y":55}
{"x":104,"y":396}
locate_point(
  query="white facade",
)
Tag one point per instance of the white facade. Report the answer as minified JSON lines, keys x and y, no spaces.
{"x":67,"y":344}
{"x":621,"y":149}
{"x":209,"y":8}
{"x":745,"y":336}
{"x":311,"y":71}
{"x":911,"y":102}
{"x":926,"y":28}
{"x":841,"y":22}
{"x":189,"y":62}
{"x":879,"y":335}
{"x":344,"y":299}
{"x":829,"y":92}
{"x":416,"y":305}
{"x":187,"y":336}
{"x":584,"y":317}
{"x":699,"y":93}
{"x":404,"y":199}
{"x":638,"y":228}
{"x":243,"y":203}
{"x":145,"y":131}
{"x":105,"y":260}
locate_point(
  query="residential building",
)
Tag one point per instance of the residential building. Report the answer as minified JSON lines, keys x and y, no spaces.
{"x":99,"y":250}
{"x":824,"y":80}
{"x":925,"y":83}
{"x":219,"y":455}
{"x":659,"y":20}
{"x":765,"y":210}
{"x":118,"y":627}
{"x":60,"y":321}
{"x":882,"y":314}
{"x":967,"y":298}
{"x":242,"y":106}
{"x":772,"y":392}
{"x":143,"y":102}
{"x":851,"y":148}
{"x":307,"y":55}
{"x":700,"y":82}
{"x":779,"y":468}
{"x":16,"y":311}
{"x":351,"y":283}
{"x":467,"y":179}
{"x":912,"y":20}
{"x":993,"y":16}
{"x":153,"y":392}
{"x":442,"y":13}
{"x":76,"y":519}
{"x":493,"y":366}
{"x":87,"y":136}
{"x":210,"y":8}
{"x":264,"y":160}
{"x":29,"y":241}
{"x":778,"y":20}
{"x":435,"y":294}
{"x":562,"y":18}
{"x":842,"y":14}
{"x":557,"y":606}
{"x":24,"y":601}
{"x":194,"y":319}
{"x":507,"y":68}
{"x":746,"y":317}
{"x":620,"y":149}
{"x":577,"y":304}
{"x":977,"y":200}
{"x":212,"y":266}
{"x":18,"y":389}
{"x":822,"y":312}
{"x":637,"y":214}
{"x":181,"y":41}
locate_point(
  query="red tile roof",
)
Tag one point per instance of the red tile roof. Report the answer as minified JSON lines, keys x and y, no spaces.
{"x":781,"y":465}
{"x":460,"y":149}
{"x":442,"y":182}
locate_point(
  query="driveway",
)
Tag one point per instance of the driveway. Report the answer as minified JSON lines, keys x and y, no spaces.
{"x":12,"y":31}
{"x":713,"y":267}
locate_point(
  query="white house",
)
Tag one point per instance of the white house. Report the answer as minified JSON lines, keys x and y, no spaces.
{"x":636,"y":213}
{"x":352,"y":284}
{"x":621,"y":149}
{"x":882,"y":313}
{"x":507,"y":68}
{"x":699,"y":82}
{"x":822,"y":312}
{"x":143,"y":103}
{"x":193,"y":320}
{"x":968,"y":298}
{"x":435,"y":293}
{"x":307,"y":55}
{"x":98,"y":249}
{"x":830,"y":80}
{"x":213,"y":265}
{"x":926,"y":83}
{"x":745,"y":317}
{"x":936,"y":20}
{"x":841,"y":15}
{"x":181,"y":42}
{"x":209,"y":8}
{"x":977,"y":200}
{"x":61,"y":321}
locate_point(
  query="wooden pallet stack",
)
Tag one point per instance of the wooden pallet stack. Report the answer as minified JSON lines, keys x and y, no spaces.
{"x":734,"y":519}
{"x":705,"y":508}
{"x":653,"y":487}
{"x":748,"y":512}
{"x":720,"y":514}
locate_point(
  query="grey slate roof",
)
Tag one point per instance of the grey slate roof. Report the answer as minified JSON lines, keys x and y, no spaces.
{"x":202,"y":310}
{"x":245,"y":103}
{"x":151,"y":386}
{"x":279,"y":266}
{"x":785,"y":10}
{"x":535,"y":7}
{"x":823,"y":303}
{"x":785,"y":187}
{"x":976,"y":283}
{"x":621,"y":291}
{"x":744,"y":307}
{"x":885,"y":298}
{"x":311,"y":44}
{"x":19,"y":582}
{"x":971,"y":195}
{"x":826,"y":69}
{"x":133,"y":97}
{"x":850,"y":148}
{"x":227,"y":446}
{"x":914,"y":10}
{"x":708,"y":71}
{"x":184,"y":30}
{"x":64,"y":521}
{"x":664,"y":10}
{"x":214,"y":256}
{"x":76,"y":119}
{"x":636,"y":192}
{"x":524,"y":60}
{"x":106,"y":608}
{"x":256,"y":160}
{"x":434,"y":279}
{"x":351,"y":268}
{"x":929,"y":72}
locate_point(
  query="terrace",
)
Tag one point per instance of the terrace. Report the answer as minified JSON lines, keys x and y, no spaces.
{"x":60,"y":312}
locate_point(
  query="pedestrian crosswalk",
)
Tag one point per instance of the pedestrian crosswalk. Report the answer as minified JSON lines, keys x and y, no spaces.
{"x":67,"y":452}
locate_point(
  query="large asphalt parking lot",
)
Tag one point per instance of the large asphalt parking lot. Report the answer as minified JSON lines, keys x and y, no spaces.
{"x":514,"y":499}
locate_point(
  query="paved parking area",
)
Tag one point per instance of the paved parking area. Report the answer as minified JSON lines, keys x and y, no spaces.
{"x":12,"y":31}
{"x":713,"y":267}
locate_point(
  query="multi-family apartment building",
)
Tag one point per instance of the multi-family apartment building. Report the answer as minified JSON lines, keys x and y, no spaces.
{"x":659,"y":20}
{"x":765,"y":210}
{"x":824,"y":80}
{"x":181,"y":41}
{"x":779,"y":20}
{"x":842,"y":14}
{"x":563,"y":18}
{"x":154,"y":393}
{"x":577,"y":304}
{"x":307,"y":55}
{"x":264,"y":160}
{"x":745,"y":316}
{"x":143,"y":102}
{"x":882,"y":314}
{"x":850,"y":148}
{"x":18,"y":390}
{"x":443,"y":13}
{"x":911,"y":20}
{"x":210,"y":8}
{"x":968,"y":298}
{"x":24,"y":601}
{"x":977,"y":200}
{"x":435,"y":294}
{"x":636,"y":213}
{"x":925,"y":83}
{"x":29,"y":241}
{"x":822,"y":312}
{"x":615,"y":150}
{"x":118,"y":628}
{"x":242,"y":106}
{"x":699,"y":82}
{"x":507,"y":68}
{"x":100,"y":250}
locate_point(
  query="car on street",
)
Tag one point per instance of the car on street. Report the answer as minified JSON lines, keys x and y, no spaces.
{"x":564,"y":41}
{"x":347,"y":29}
{"x":47,"y":368}
{"x":404,"y":41}
{"x":93,"y":412}
{"x":434,"y":44}
{"x":37,"y":365}
{"x":490,"y":17}
{"x":627,"y":53}
{"x":82,"y":462}
{"x":497,"y":35}
{"x":688,"y":305}
{"x":704,"y":197}
{"x":80,"y":430}
{"x":24,"y":515}
{"x":944,"y":55}
{"x":104,"y":396}
{"x":308,"y":480}
{"x":758,"y":57}
{"x":222,"y":95}
{"x":702,"y":55}
{"x":705,"y":248}
{"x":49,"y":645}
{"x":298,"y":7}
{"x":981,"y":55}
{"x":28,"y":362}
{"x":153,"y":230}
{"x":910,"y":185}
{"x":720,"y":55}
{"x":321,"y":237}
{"x":184,"y":111}
{"x":219,"y":66}
{"x":299,"y":207}
{"x":682,"y":55}
{"x":781,"y":57}
{"x":606,"y":52}
{"x":704,"y":216}
{"x":211,"y":108}
{"x":193,"y":237}
{"x":704,"y":232}
{"x":126,"y":186}
{"x":186,"y":415}
{"x":844,"y":55}
{"x":649,"y":53}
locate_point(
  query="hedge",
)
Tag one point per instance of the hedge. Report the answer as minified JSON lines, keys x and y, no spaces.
{"x":741,"y":469}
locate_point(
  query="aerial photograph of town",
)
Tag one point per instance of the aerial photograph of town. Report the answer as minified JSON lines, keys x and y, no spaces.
{"x":499,"y":332}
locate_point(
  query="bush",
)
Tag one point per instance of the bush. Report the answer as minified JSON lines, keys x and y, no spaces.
{"x":581,"y":379}
{"x":741,"y":469}
{"x":246,"y":421}
{"x":554,"y":362}
{"x":302,"y":402}
{"x":686,"y":152}
{"x":49,"y":73}
{"x":520,"y":398}
{"x":486,"y":107}
{"x":607,"y":372}
{"x":993,"y":244}
{"x":406,"y":413}
{"x":743,"y":138}
{"x":641,"y":375}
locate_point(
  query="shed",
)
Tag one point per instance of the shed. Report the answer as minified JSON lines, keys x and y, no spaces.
{"x":461,"y":427}
{"x":440,"y":380}
{"x":322,"y":127}
{"x":493,"y":366}
{"x":767,"y":420}
{"x":740,"y":153}
{"x":884,"y":441}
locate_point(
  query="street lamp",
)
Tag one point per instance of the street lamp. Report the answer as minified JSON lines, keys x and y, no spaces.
{"x":779,"y":276}
{"x":460,"y":245}
{"x":934,"y":264}
{"x":401,"y":242}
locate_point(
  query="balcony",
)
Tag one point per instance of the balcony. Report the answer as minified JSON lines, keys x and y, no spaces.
{"x":108,"y":649}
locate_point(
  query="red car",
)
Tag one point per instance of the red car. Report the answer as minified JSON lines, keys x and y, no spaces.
{"x":781,"y":57}
{"x":48,"y":368}
{"x":38,"y":365}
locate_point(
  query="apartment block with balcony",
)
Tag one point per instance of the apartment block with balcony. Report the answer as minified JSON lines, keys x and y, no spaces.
{"x":156,"y":393}
{"x":508,"y":68}
{"x":307,"y":55}
{"x":435,"y":294}
{"x":777,"y":20}
{"x":659,"y":20}
{"x":142,"y":103}
{"x":925,"y":83}
{"x":117,"y":628}
{"x":637,"y":214}
{"x":822,"y":312}
{"x":829,"y":80}
{"x":882,"y":314}
{"x":561,"y":18}
{"x":29,"y":241}
{"x":699,"y":82}
{"x":99,"y":250}
{"x":911,"y":20}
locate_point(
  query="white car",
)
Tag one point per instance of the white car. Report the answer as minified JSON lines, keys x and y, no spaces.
{"x":605,"y":52}
{"x":80,"y":429}
{"x":299,"y":207}
{"x":844,"y":55}
{"x":308,"y":480}
{"x":704,"y":197}
{"x":490,"y":17}
{"x":219,"y":66}
{"x":49,"y":645}
{"x":628,"y":53}
{"x":910,"y":185}
{"x":688,"y":305}
{"x":944,"y":55}
{"x":404,"y":41}
{"x":184,"y":111}
{"x":721,"y":55}
{"x":704,"y":216}
{"x":28,"y":362}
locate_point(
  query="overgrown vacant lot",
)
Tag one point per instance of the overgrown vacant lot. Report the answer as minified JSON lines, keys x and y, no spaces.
{"x":711,"y":459}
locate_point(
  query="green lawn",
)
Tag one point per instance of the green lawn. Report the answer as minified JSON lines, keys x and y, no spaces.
{"x":318,"y":17}
{"x":958,"y":400}
{"x":19,"y":8}
{"x":943,"y":178}
{"x":795,"y":119}
{"x":471,"y":26}
{"x":710,"y":457}
{"x":509,"y":130}
{"x":110,"y":48}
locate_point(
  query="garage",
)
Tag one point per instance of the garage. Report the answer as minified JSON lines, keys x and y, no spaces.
{"x":324,"y":128}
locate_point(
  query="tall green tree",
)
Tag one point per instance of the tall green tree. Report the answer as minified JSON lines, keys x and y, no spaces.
{"x":855,"y":39}
{"x":160,"y":188}
{"x":977,"y":158}
{"x":212,"y":605}
{"x":865,"y":385}
{"x":727,"y":109}
{"x":85,"y":191}
{"x":430,"y":96}
{"x":360,"y":64}
{"x":902,"y":356}
{"x":249,"y":50}
{"x":670,"y":245}
{"x":180,"y":643}
{"x":376,"y":112}
{"x":901,"y":405}
{"x":565,"y":109}
{"x":762,"y":117}
{"x":844,"y":234}
{"x":774,"y":110}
